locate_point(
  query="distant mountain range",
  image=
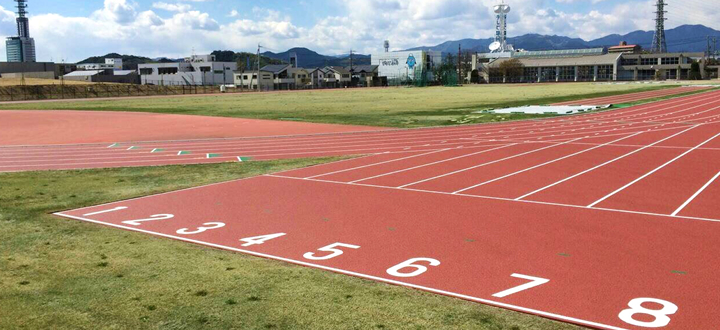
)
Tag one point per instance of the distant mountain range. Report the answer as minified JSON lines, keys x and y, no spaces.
{"x":311,"y":59}
{"x":685,"y":38}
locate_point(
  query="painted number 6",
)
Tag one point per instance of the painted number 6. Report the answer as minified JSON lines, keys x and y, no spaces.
{"x":211,"y":225}
{"x":419,"y":269}
{"x":661,"y":315}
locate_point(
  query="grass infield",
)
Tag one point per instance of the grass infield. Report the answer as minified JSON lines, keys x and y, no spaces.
{"x":389,"y":107}
{"x":63,"y":274}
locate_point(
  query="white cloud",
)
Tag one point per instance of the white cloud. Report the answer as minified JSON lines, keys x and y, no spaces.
{"x":179,"y":7}
{"x":173,"y":28}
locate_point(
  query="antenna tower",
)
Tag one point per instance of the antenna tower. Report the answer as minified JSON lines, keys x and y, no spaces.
{"x":500,"y":45}
{"x":659,"y":44}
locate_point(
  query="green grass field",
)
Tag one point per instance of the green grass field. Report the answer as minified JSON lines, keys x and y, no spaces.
{"x":391,"y":107}
{"x":57,"y":273}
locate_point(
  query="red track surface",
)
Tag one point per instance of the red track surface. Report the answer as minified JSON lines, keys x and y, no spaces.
{"x":633,"y":97}
{"x":599,"y":212}
{"x":67,"y":127}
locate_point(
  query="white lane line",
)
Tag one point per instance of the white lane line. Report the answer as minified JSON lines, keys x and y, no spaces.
{"x":239,"y":159}
{"x":119,"y":208}
{"x":682,"y":207}
{"x":485,"y":164}
{"x":113,"y":145}
{"x":651,"y":172}
{"x":360,"y":275}
{"x":156,"y":149}
{"x":375,"y":164}
{"x":603,"y":164}
{"x":433,"y":163}
{"x":131,"y":148}
{"x":546,"y":163}
{"x":500,"y":199}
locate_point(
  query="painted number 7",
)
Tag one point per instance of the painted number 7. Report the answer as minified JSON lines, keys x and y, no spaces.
{"x":535,"y":281}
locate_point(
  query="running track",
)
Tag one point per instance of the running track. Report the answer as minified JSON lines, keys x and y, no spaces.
{"x":633,"y":97}
{"x":608,"y":220}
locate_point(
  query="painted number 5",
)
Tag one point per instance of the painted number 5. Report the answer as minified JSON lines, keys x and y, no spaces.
{"x":330,"y":248}
{"x":661,"y":315}
{"x":211,"y":225}
{"x":419,"y":269}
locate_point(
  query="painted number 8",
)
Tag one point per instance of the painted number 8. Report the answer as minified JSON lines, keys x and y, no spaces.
{"x":661,"y":316}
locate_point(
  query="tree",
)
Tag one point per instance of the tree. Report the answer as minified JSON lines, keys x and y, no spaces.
{"x":695,"y":71}
{"x":512,"y":70}
{"x":446,"y":74}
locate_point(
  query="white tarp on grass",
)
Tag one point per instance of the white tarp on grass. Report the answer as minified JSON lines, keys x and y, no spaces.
{"x":547,"y":109}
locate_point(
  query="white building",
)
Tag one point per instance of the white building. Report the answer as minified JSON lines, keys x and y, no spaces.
{"x":195,"y":70}
{"x":404,"y":65}
{"x":110,"y":64}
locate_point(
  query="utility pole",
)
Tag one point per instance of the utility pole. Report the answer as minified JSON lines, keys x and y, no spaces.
{"x":351,"y":60}
{"x":712,"y":50}
{"x":258,"y":69}
{"x":459,"y":63}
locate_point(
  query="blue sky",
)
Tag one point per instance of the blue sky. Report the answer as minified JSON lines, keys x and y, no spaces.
{"x":75,"y":29}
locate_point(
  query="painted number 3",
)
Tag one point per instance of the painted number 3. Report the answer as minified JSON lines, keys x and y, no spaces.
{"x":660,"y":315}
{"x":210,"y":225}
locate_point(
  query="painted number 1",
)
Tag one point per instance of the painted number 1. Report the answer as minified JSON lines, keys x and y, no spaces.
{"x":534,"y":281}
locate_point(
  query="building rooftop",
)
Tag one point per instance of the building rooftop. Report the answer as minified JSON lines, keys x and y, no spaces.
{"x":275,"y":68}
{"x":561,"y":53}
{"x":363,"y":68}
{"x":84,"y":73}
{"x":605,"y":59}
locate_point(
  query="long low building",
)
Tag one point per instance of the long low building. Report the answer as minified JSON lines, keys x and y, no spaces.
{"x":198,"y":70}
{"x":586,"y":65}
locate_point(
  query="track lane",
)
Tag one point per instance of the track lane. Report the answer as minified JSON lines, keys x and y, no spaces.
{"x":479,"y":243}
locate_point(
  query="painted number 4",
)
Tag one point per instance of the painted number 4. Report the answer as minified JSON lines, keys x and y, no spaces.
{"x":660,"y":315}
{"x":258,"y":240}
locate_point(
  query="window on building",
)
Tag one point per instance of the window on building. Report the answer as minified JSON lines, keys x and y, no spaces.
{"x":670,"y":60}
{"x":146,"y":71}
{"x":648,"y":61}
{"x":167,"y":70}
{"x":605,"y":72}
{"x":346,"y":76}
{"x":629,"y":61}
{"x":567,"y":73}
{"x":548,"y":74}
{"x":218,"y":71}
{"x":586,"y":73}
{"x":204,"y":69}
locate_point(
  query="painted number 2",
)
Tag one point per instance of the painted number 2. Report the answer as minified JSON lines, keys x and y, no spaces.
{"x":151,"y":218}
{"x":211,"y":225}
{"x":660,"y":315}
